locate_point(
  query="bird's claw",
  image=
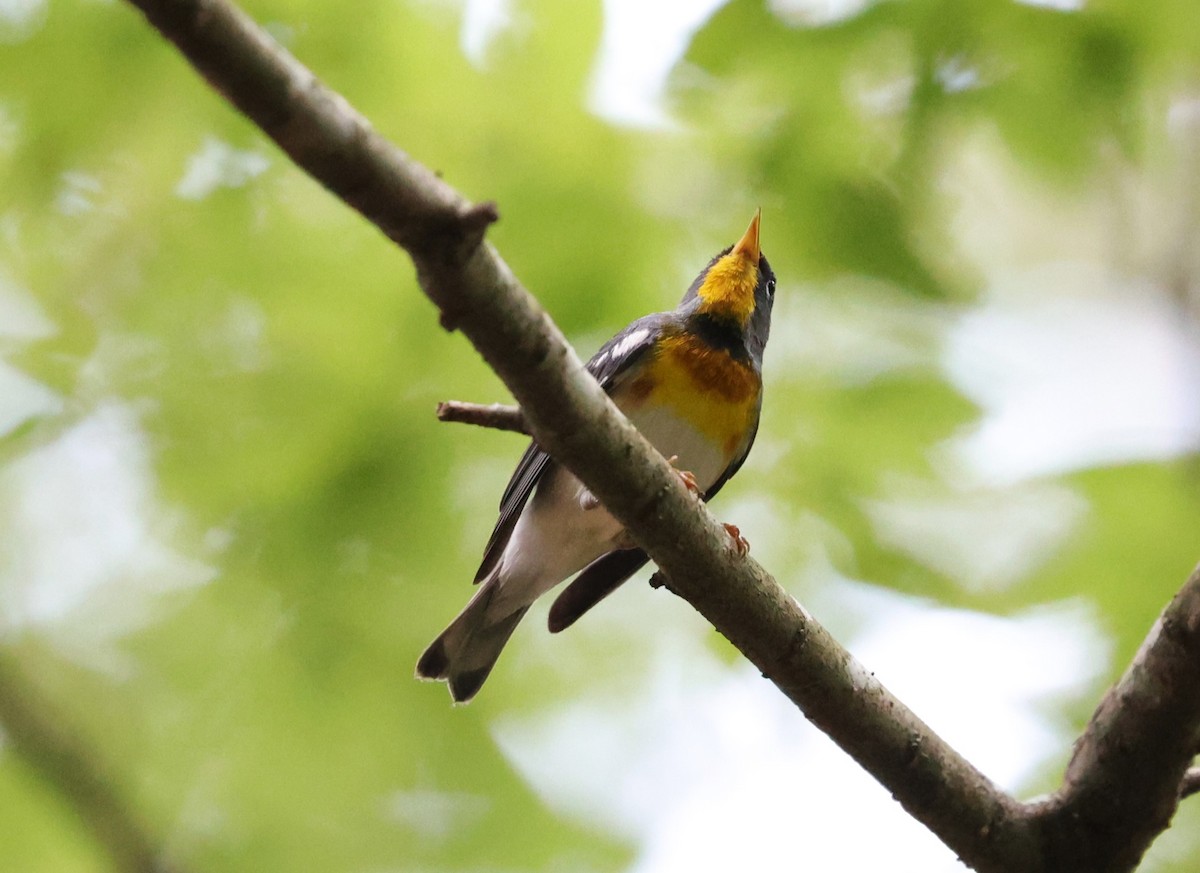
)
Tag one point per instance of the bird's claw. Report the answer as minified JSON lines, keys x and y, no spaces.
{"x":686,"y":476}
{"x":741,"y":545}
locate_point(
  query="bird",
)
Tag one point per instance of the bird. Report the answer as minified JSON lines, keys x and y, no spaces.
{"x":690,"y":380}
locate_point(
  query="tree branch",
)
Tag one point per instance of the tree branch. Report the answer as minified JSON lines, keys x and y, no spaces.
{"x":40,"y":737}
{"x":574,"y":420}
{"x":1122,"y":785}
{"x":494,"y":415}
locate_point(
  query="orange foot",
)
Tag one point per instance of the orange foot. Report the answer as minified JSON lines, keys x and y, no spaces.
{"x":741,"y":545}
{"x":685,"y":476}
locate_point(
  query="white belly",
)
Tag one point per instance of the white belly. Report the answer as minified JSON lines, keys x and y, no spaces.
{"x":556,"y":536}
{"x":671,"y":436}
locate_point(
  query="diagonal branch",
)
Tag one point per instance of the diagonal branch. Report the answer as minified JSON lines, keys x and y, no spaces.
{"x":42,"y":739}
{"x":1130,"y":767}
{"x":574,"y":420}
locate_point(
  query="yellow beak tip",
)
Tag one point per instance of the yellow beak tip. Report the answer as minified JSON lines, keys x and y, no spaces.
{"x":748,"y":244}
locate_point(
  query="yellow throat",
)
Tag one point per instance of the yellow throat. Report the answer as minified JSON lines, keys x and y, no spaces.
{"x":728,"y":287}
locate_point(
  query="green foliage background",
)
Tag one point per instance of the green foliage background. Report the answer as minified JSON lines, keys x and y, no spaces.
{"x":269,"y":352}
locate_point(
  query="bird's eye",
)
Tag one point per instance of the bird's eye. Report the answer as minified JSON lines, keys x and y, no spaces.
{"x":770,"y":287}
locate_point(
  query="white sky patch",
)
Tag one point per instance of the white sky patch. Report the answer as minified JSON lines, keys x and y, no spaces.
{"x":77,"y":194}
{"x":984,"y":541}
{"x":20,"y":18}
{"x":854,"y":331}
{"x":709,"y":767}
{"x":436,"y":815}
{"x":483,"y":21}
{"x":1070,"y":382}
{"x":817,"y":12}
{"x":84,"y":531}
{"x":219,"y":165}
{"x":1183,"y":116}
{"x":20,"y":315}
{"x":955,"y":75}
{"x":1060,"y":5}
{"x":887,"y":98}
{"x":237,"y":342}
{"x":641,"y":42}
{"x":23,"y":398}
{"x":989,"y":699}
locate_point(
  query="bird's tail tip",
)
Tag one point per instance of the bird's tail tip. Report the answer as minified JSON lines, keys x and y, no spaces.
{"x":463,"y":655}
{"x":435,"y":666}
{"x":464,"y":686}
{"x":434,"y":663}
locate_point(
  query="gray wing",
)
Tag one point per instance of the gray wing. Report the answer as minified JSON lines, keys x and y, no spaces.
{"x":613,"y":359}
{"x":530,"y":470}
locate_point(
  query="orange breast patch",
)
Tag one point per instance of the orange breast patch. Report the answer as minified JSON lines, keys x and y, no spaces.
{"x":714,"y":392}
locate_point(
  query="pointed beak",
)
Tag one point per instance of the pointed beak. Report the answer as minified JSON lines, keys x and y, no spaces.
{"x":747,"y":246}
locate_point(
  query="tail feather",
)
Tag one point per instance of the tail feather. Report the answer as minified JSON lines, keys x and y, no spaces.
{"x":476,"y":660}
{"x":465,"y":652}
{"x":434,"y":663}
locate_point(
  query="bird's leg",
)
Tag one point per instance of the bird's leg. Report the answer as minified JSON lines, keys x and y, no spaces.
{"x":685,"y":476}
{"x":741,"y":545}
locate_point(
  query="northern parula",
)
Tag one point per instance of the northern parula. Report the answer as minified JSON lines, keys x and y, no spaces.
{"x":691,"y":381}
